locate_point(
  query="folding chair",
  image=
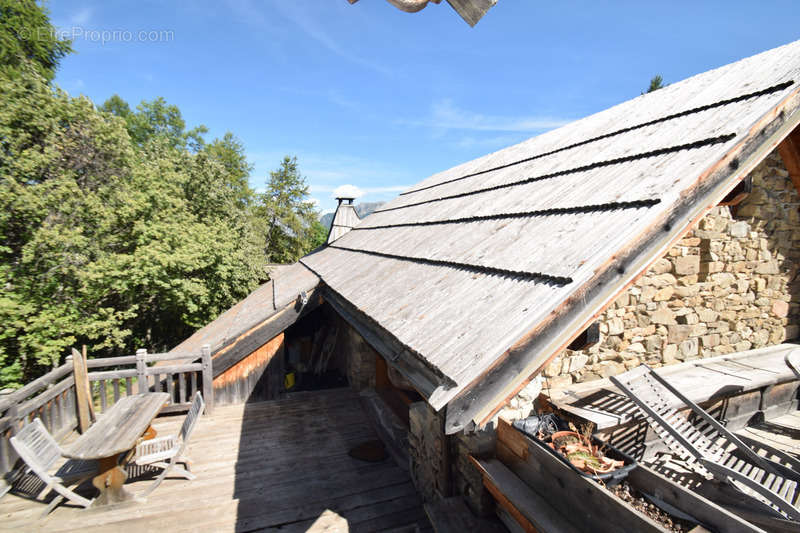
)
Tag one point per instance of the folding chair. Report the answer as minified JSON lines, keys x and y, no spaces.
{"x":713,"y":449}
{"x":166,"y":452}
{"x":40,"y":451}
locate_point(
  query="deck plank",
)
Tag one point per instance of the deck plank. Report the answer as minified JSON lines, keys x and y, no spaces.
{"x":262,"y":466}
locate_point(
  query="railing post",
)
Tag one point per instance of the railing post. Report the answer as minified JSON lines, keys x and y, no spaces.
{"x":208,"y":379}
{"x":13,"y":414}
{"x":141,"y":371}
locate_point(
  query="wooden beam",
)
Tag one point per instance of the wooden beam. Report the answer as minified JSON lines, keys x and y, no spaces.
{"x":546,"y":475}
{"x":789,"y":151}
{"x":532,"y":512}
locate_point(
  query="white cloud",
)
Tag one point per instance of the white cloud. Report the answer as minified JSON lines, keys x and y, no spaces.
{"x":445,"y":115}
{"x":347,"y":191}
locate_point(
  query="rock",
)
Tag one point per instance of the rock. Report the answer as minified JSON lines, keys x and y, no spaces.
{"x":636,"y":347}
{"x":696,"y":330}
{"x":780,"y":308}
{"x":648,"y":293}
{"x":689,"y":348}
{"x":768,"y":267}
{"x":553,"y":369}
{"x":622,"y":301}
{"x":688,"y":318}
{"x":653,"y":343}
{"x":678,"y":333}
{"x":709,"y":341}
{"x":742,"y":346}
{"x":712,"y":267}
{"x":662,"y":280}
{"x":687,"y":265}
{"x":663,"y":294}
{"x":669,"y":353}
{"x":577,"y":362}
{"x":760,"y":338}
{"x":707,"y":315}
{"x":687,"y":291}
{"x":609,"y":368}
{"x":723,"y":279}
{"x":559,"y":382}
{"x":661,"y":266}
{"x":662,"y":316}
{"x":740,"y":230}
{"x":616,"y":326}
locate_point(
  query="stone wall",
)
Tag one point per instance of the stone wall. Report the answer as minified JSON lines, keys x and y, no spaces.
{"x":428,"y":452}
{"x":731,"y":284}
{"x":358,"y":354}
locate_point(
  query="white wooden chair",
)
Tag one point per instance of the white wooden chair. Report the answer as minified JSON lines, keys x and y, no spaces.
{"x":40,"y":451}
{"x":166,"y":452}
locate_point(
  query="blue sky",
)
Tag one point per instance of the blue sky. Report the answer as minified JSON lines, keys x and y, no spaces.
{"x":368,"y":95}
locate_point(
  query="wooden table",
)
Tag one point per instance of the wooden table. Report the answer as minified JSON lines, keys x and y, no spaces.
{"x":114,"y":434}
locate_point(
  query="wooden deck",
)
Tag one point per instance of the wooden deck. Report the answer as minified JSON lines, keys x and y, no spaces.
{"x":274,"y":466}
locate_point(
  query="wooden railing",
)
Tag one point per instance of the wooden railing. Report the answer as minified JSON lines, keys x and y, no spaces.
{"x":53,"y":397}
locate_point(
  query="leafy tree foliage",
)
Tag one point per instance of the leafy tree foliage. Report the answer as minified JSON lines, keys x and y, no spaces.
{"x":27,"y":37}
{"x":120,"y":228}
{"x":108,"y":242}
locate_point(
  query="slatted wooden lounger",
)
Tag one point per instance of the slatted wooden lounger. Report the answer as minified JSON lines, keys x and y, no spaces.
{"x":714,"y":450}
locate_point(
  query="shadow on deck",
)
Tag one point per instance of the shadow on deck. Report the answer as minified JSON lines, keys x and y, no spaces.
{"x":276,"y":466}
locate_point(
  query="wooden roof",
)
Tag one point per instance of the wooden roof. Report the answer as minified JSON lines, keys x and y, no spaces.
{"x":279,"y":293}
{"x":474,"y":278}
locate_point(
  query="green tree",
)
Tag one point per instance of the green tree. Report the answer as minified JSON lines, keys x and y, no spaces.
{"x":656,"y":83}
{"x":156,"y":118}
{"x":319,"y":234}
{"x":229,"y":152}
{"x":27,"y":37}
{"x":109,"y":242}
{"x":287,"y":214}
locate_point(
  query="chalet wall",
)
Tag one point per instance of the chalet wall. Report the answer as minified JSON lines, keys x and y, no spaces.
{"x":257,"y":377}
{"x":729,"y":285}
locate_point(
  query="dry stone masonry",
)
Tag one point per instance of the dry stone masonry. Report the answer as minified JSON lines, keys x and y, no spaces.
{"x":731,"y":284}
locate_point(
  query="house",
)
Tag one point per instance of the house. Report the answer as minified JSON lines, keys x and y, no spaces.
{"x":663,"y":229}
